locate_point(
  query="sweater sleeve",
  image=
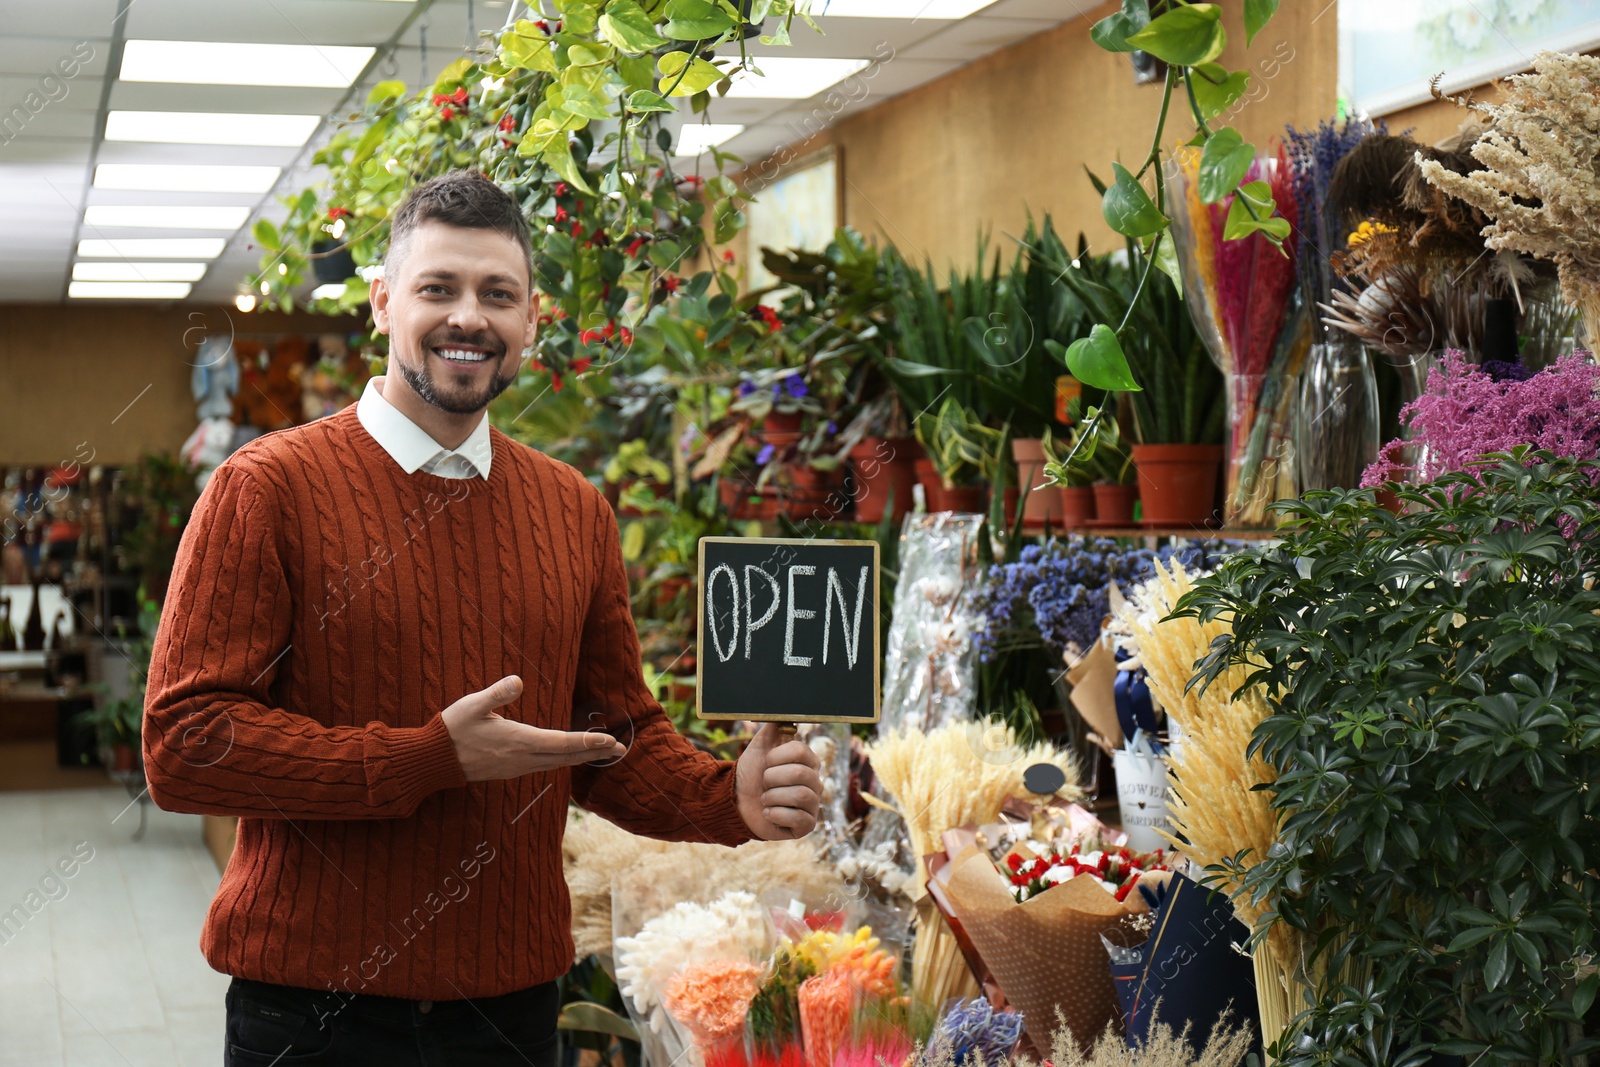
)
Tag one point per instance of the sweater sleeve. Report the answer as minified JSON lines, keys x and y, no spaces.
{"x":664,"y":787}
{"x":214,"y":743}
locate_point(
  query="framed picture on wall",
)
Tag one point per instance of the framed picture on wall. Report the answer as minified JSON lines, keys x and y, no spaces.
{"x":798,"y":208}
{"x":1390,"y":49}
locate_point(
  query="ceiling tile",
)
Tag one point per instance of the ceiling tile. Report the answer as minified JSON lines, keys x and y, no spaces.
{"x":976,"y":36}
{"x":278,"y":22}
{"x":91,"y":18}
{"x":35,"y":57}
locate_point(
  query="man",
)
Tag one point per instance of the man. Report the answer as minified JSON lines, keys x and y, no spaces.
{"x":395,"y":643}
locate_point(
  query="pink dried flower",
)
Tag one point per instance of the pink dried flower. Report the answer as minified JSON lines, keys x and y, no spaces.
{"x":1464,"y":414}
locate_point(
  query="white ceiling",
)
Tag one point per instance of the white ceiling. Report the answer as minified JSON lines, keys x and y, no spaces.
{"x":46,"y":169}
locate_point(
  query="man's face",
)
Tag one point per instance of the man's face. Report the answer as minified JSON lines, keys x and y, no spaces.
{"x":459,"y":312}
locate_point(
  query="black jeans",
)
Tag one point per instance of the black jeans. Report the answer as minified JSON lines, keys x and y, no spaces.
{"x":284,"y":1026}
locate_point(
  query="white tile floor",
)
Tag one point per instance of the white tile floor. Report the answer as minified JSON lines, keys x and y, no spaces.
{"x":104,"y":967}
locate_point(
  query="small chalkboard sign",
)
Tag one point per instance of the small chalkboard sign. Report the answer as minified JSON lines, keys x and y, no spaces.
{"x":788,"y":630}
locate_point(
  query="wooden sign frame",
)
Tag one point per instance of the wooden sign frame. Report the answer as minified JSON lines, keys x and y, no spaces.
{"x":700,"y":629}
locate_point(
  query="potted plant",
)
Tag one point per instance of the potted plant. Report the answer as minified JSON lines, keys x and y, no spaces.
{"x":1430,"y":678}
{"x":1097,"y":457}
{"x":961,"y":451}
{"x":637,"y":475}
{"x":778,"y":399}
{"x":1174,"y":423}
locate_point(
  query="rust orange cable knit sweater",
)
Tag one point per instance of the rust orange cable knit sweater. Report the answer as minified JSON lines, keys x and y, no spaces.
{"x":325,"y":607}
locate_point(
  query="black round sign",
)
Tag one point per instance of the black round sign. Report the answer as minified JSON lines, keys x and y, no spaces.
{"x":1045,"y":779}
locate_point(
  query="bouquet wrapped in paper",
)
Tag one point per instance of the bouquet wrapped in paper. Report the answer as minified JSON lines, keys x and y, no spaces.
{"x":1039,"y":920}
{"x":1253,"y":318}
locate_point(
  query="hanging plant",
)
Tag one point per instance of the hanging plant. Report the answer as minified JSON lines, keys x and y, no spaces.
{"x":568,"y":116}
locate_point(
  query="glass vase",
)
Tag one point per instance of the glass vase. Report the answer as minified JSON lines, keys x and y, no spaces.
{"x":1336,"y":422}
{"x":1260,"y":465}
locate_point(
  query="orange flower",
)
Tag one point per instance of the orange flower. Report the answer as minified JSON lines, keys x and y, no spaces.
{"x":712,"y":999}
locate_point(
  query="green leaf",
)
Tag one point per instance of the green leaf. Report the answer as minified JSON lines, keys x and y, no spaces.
{"x":587,"y":55}
{"x":1167,"y":261}
{"x":1128,"y":209}
{"x":578,"y":16}
{"x":1113,"y":31}
{"x":1224,"y":162}
{"x":1258,"y":196}
{"x":587,"y":1016}
{"x":1257,"y":13}
{"x":1583,"y":996}
{"x":675,"y":81}
{"x":266,"y":235}
{"x":1215,"y":89}
{"x":1185,"y":36}
{"x":527,"y":48}
{"x":626,"y":26}
{"x":559,"y":156}
{"x":697,"y":20}
{"x":1496,"y":966}
{"x":386,"y":90}
{"x":1097,"y":361}
{"x":645,"y":100}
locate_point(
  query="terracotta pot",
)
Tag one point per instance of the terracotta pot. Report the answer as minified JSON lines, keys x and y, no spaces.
{"x":815,"y":494}
{"x":734,"y":494}
{"x":1041,"y":504}
{"x":122,"y":758}
{"x":668,"y":590}
{"x":1177,"y":483}
{"x":968,"y":498}
{"x":883,"y":467}
{"x":1077,"y":506}
{"x":1113,"y":504}
{"x":781,"y":422}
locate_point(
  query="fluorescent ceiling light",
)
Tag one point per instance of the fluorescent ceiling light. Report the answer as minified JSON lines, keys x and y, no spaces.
{"x":152,"y":247}
{"x":137,"y":272}
{"x":898,"y":9}
{"x":330,"y":291}
{"x":697,"y":137}
{"x":792,"y":78}
{"x":324,"y":66}
{"x":182,"y":178}
{"x":164,"y":217}
{"x":208,"y":127}
{"x":129,"y":290}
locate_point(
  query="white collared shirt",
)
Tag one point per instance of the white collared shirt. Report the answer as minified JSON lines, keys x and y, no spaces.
{"x":410,"y":445}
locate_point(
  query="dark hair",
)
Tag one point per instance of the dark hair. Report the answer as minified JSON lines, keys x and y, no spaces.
{"x":460,"y":198}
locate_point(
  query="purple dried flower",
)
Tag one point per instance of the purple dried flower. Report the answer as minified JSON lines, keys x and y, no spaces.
{"x":1466,"y":413}
{"x":1313,"y":155}
{"x":746,"y":387}
{"x":764,"y":456}
{"x":974,"y":1027}
{"x":795,"y":385}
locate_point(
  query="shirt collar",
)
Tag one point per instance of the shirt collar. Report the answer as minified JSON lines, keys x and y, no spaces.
{"x":409,"y":444}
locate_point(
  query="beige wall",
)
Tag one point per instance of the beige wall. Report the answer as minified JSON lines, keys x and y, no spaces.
{"x":112,"y":378}
{"x":1015,"y":130}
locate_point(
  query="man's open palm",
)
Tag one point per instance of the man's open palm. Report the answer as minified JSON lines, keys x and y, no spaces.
{"x":491,"y":746}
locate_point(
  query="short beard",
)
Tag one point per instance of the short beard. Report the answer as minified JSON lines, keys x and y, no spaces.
{"x":422,"y":382}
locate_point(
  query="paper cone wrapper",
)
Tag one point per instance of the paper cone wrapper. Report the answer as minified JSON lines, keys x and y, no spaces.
{"x":1045,"y":952}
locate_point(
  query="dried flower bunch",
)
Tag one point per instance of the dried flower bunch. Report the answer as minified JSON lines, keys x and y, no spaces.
{"x":1540,"y":185}
{"x":1226,"y":1046}
{"x":958,"y":774}
{"x":1468,"y":412}
{"x":661,"y":873}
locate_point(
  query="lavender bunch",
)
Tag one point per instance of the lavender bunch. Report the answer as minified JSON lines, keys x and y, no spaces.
{"x":1313,"y":155}
{"x":972,"y":1028}
{"x":1057,"y":593}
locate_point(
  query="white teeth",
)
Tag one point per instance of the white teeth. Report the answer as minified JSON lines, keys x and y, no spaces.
{"x":457,"y":355}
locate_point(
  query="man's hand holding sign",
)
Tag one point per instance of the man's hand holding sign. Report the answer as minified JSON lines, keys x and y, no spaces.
{"x":788,"y":629}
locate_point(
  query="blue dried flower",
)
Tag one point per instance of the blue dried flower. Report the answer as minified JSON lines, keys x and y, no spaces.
{"x":795,"y":384}
{"x":974,"y":1027}
{"x":764,"y":456}
{"x":746,"y":388}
